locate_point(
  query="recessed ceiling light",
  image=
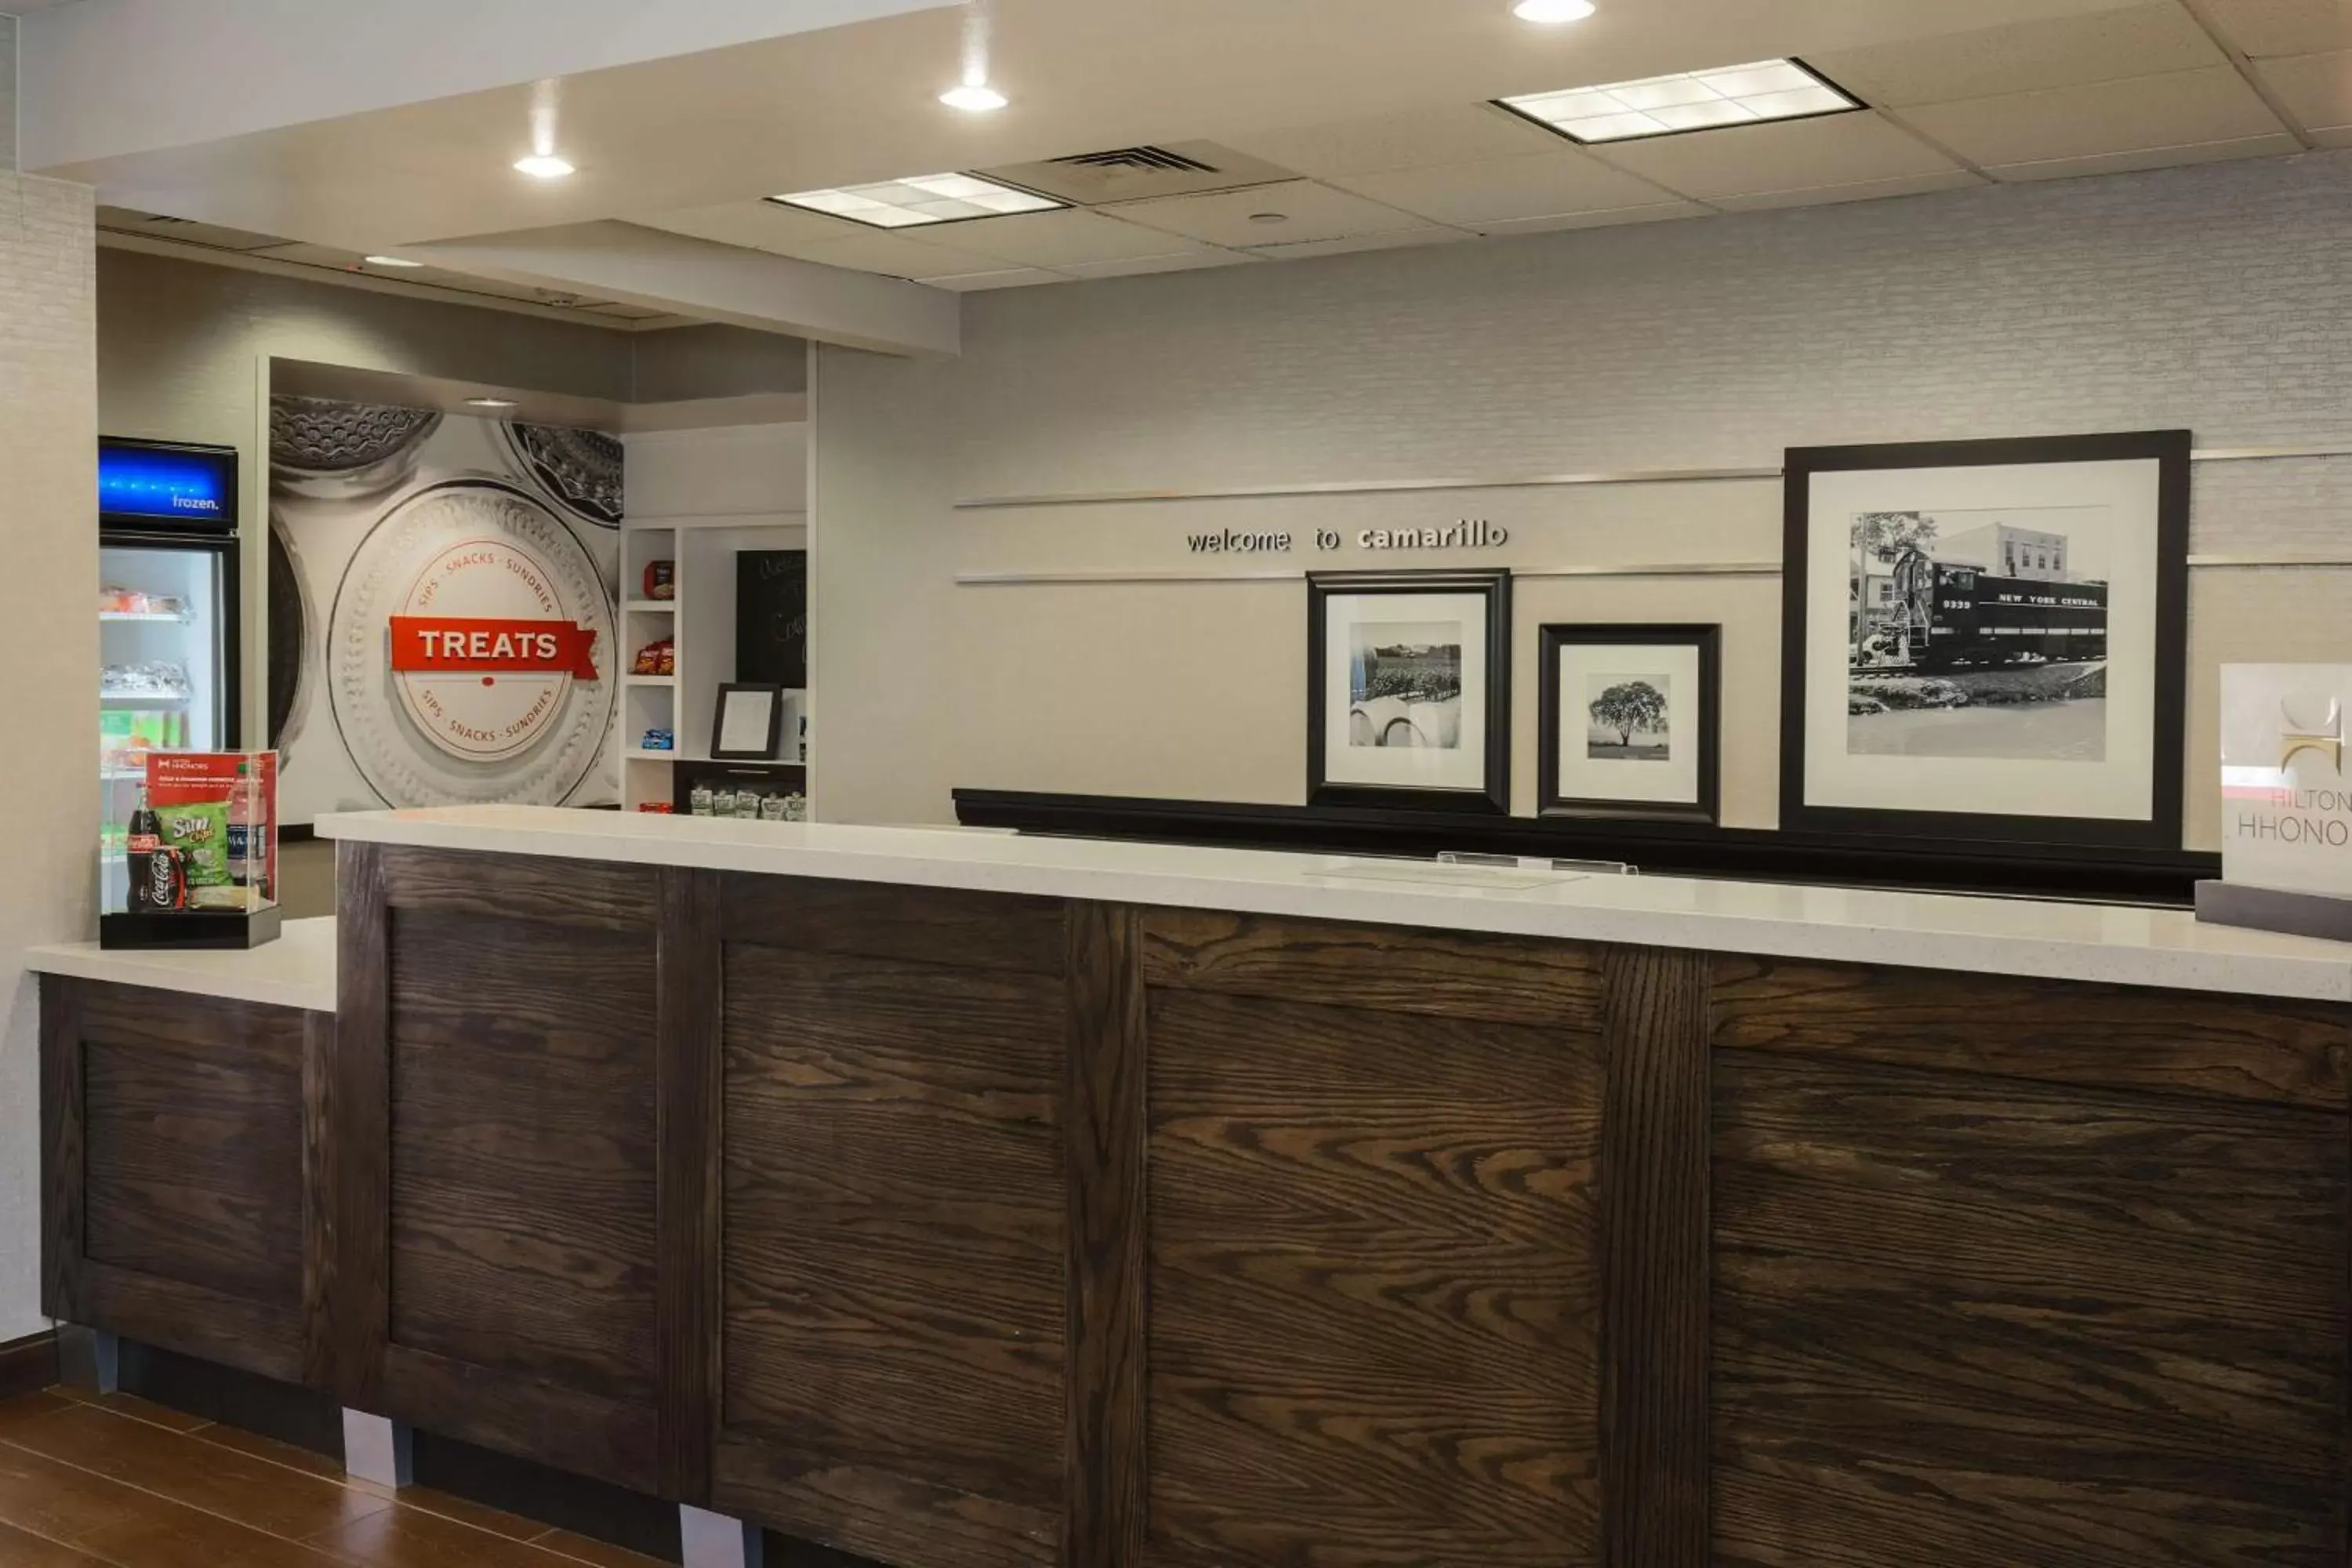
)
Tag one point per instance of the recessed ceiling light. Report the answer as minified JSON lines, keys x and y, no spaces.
{"x":1687,"y":100}
{"x":490,"y":403}
{"x":389,"y":261}
{"x":973,"y":98}
{"x":543,"y":166}
{"x":1552,"y":11}
{"x":920,"y":199}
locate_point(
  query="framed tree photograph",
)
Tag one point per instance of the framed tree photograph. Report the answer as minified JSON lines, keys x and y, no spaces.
{"x":1629,"y":720}
{"x":1987,"y":640}
{"x":1407,"y":695}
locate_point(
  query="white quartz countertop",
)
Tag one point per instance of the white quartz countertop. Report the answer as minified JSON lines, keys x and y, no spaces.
{"x":298,"y":970}
{"x":2102,"y":943}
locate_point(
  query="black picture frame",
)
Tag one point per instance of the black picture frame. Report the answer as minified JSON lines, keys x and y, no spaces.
{"x":1494,"y":795}
{"x":775,"y":695}
{"x":1707,"y":641}
{"x":2161,"y":830}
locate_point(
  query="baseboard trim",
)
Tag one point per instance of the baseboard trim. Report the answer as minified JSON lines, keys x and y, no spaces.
{"x":30,"y":1364}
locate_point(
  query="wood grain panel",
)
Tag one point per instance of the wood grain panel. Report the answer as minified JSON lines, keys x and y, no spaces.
{"x":924,"y":925}
{"x":320,"y":1165}
{"x":894,"y":1240}
{"x":193,"y":1162}
{"x":2241,"y":1047}
{"x":356,"y":1273}
{"x":260,"y":1336}
{"x":573,"y":1429}
{"x":1972,"y":1320}
{"x":1653,"y":1181}
{"x":544,"y":891}
{"x":1106,"y":1119}
{"x":1451,"y":974}
{"x":62,"y":1149}
{"x":523,"y":1184}
{"x":892,"y":1517}
{"x":689,"y":1178}
{"x":1373,"y":1294}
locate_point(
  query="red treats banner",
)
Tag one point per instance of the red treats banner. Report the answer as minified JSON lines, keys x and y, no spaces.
{"x":455,"y":645}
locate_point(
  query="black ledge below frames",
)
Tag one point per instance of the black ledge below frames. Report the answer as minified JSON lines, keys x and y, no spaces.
{"x":2033,"y":870}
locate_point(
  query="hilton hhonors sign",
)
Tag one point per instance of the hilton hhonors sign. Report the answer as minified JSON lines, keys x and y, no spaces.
{"x":2287,"y":800}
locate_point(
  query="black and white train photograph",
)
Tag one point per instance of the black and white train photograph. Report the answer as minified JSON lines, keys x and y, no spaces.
{"x":1979,"y":634}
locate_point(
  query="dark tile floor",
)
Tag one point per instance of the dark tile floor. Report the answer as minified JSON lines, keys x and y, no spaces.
{"x":115,"y":1482}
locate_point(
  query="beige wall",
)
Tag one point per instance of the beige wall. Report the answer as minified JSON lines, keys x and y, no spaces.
{"x":2212,"y":297}
{"x":48,"y":539}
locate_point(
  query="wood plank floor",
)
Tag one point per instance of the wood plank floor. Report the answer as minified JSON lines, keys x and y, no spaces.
{"x":115,"y":1482}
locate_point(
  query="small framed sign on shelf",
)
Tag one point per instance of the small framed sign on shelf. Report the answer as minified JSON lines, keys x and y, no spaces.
{"x":749,"y":723}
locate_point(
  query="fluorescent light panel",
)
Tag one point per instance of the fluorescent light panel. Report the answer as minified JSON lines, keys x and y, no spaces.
{"x":920,"y":199}
{"x":1687,"y":100}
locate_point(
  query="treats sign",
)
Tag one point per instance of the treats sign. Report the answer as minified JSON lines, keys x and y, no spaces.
{"x":485,"y":648}
{"x":476,"y":645}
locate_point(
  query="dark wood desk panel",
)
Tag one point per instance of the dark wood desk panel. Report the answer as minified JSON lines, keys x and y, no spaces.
{"x":892,"y":1296}
{"x":175,"y":1130}
{"x":1374,"y":1264}
{"x":2044,"y":1280}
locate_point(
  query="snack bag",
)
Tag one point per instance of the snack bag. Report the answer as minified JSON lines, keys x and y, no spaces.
{"x":199,"y":831}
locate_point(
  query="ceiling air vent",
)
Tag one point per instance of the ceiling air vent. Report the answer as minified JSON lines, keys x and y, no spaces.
{"x":1139,"y":173}
{"x":1139,"y":158}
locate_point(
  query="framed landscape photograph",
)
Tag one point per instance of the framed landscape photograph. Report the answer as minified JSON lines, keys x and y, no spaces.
{"x":1407,"y":695}
{"x":1629,"y":720}
{"x":1987,"y":640}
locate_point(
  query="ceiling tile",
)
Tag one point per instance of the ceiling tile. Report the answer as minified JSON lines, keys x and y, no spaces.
{"x":2181,"y":108}
{"x":2264,"y":28}
{"x":763,"y":226}
{"x":2277,"y":146}
{"x":1181,"y":261}
{"x":2316,"y":88}
{"x":1563,"y":181}
{"x":895,"y":254}
{"x":2057,"y":51}
{"x":1419,"y":139}
{"x":1394,"y":239}
{"x":1309,"y":211}
{"x":1860,"y":191}
{"x":1654,"y":212}
{"x":1063,"y":238}
{"x":1741,"y":160}
{"x":1004,"y":277}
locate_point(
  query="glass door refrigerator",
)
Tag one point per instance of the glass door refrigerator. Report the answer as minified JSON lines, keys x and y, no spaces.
{"x":167,"y":613}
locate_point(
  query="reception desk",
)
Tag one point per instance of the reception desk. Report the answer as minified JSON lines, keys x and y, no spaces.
{"x":966,"y":1201}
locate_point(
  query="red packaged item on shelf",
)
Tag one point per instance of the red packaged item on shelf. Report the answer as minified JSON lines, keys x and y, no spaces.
{"x":658,"y":807}
{"x":657,"y":658}
{"x":661,"y":579}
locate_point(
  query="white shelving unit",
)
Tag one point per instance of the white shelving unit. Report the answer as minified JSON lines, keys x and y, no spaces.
{"x":697,"y":499}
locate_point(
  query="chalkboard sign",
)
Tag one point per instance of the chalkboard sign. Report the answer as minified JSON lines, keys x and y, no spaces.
{"x":771,"y":617}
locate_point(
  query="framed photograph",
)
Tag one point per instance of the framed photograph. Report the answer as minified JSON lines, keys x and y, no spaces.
{"x":1629,"y":722}
{"x":1987,"y":640}
{"x":748,"y":725}
{"x":1407,"y":694}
